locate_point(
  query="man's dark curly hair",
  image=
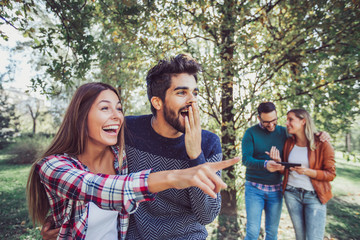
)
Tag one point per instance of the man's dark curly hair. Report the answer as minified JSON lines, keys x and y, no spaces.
{"x":158,"y":79}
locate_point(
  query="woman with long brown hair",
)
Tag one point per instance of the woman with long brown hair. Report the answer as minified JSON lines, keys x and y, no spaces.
{"x":83,"y":181}
{"x":307,"y":187}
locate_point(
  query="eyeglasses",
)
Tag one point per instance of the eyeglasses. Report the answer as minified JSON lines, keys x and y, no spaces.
{"x":267,"y":123}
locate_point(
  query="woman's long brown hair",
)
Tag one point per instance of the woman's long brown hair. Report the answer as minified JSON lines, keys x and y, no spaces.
{"x":310,"y":128}
{"x":71,"y":139}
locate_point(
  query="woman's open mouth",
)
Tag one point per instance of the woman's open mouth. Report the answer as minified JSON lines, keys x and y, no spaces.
{"x":112,"y":129}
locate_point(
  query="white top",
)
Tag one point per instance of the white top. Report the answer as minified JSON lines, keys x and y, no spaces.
{"x":102,"y":224}
{"x":299,"y":155}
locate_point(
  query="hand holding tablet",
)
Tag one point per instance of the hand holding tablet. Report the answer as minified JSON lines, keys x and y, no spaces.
{"x":289,"y":165}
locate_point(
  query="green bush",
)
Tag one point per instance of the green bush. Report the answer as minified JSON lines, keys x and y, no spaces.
{"x":27,"y":149}
{"x":351,"y":156}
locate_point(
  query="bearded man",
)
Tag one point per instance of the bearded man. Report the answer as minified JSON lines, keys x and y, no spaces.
{"x":171,"y":138}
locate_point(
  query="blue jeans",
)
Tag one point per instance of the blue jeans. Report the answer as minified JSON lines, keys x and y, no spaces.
{"x":307,"y":213}
{"x":256,"y":201}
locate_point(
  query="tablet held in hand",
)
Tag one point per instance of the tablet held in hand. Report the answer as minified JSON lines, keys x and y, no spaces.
{"x":289,"y":165}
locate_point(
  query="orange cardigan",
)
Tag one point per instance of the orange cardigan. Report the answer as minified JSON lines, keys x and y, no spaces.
{"x":322,"y":160}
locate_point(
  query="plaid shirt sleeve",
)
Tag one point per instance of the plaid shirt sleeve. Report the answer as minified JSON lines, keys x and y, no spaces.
{"x":63,"y":178}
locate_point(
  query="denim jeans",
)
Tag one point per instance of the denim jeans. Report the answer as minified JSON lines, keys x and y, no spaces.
{"x":307,"y":213}
{"x":256,"y":201}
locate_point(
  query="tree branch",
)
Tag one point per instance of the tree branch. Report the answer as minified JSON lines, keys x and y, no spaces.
{"x":9,"y":23}
{"x":319,"y":86}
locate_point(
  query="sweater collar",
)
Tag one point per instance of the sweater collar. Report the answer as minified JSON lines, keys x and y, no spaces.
{"x":159,"y":137}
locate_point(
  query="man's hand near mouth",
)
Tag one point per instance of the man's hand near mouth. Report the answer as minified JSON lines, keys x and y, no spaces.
{"x":193,"y":132}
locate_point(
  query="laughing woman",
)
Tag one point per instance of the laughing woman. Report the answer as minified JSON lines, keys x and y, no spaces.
{"x":83,"y":180}
{"x":307,"y":188}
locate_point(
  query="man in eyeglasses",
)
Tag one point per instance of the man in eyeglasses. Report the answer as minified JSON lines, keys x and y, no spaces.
{"x":263,"y":177}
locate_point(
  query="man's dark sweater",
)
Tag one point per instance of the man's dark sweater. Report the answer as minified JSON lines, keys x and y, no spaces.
{"x":174,"y":214}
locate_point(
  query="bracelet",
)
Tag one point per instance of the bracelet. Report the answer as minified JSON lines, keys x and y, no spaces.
{"x":265,"y":163}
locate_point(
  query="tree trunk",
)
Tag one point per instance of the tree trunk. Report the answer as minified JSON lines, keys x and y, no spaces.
{"x":34,"y":115}
{"x":34,"y":126}
{"x":228,"y":225}
{"x":348,"y":142}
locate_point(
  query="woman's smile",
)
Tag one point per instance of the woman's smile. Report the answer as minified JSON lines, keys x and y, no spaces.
{"x":105,"y":119}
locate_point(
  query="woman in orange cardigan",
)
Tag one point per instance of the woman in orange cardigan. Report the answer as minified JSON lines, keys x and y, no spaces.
{"x":307,"y":187}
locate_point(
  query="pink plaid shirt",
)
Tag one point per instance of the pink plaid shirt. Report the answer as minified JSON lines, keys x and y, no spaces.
{"x":266,"y":188}
{"x":70,"y":186}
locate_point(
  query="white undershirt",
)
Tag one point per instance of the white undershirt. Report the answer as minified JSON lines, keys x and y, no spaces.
{"x":102,"y":224}
{"x":299,"y":155}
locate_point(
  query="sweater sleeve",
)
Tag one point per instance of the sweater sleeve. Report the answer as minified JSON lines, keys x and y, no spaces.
{"x":205,"y":207}
{"x":247,"y":146}
{"x":197,"y":161}
{"x":327,"y":172}
{"x":110,"y":192}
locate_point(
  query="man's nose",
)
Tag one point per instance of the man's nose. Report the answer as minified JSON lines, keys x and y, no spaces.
{"x":192,"y":98}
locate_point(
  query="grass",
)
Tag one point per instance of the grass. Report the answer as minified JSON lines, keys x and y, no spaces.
{"x":343,"y":217}
{"x":343,"y":211}
{"x":14,"y":220}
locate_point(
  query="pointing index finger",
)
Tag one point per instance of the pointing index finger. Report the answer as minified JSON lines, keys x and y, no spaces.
{"x":225,"y":164}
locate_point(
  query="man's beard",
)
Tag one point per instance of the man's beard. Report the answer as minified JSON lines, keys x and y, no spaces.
{"x":172,"y":118}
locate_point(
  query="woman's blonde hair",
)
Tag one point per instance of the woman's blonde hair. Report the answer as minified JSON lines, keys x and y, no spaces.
{"x":71,"y":139}
{"x":310,"y":128}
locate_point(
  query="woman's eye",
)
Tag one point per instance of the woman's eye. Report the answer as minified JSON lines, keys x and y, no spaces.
{"x":120,"y":109}
{"x":181,"y":93}
{"x":104,"y":108}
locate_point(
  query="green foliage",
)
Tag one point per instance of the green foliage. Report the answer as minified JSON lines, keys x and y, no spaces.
{"x":351,"y":157}
{"x":348,"y":141}
{"x":323,"y":64}
{"x":302,"y":54}
{"x":27,"y":149}
{"x":15,"y":14}
{"x":8,"y":120}
{"x":298,"y":54}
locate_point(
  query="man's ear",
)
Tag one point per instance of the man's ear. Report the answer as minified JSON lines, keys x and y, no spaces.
{"x":157,"y":103}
